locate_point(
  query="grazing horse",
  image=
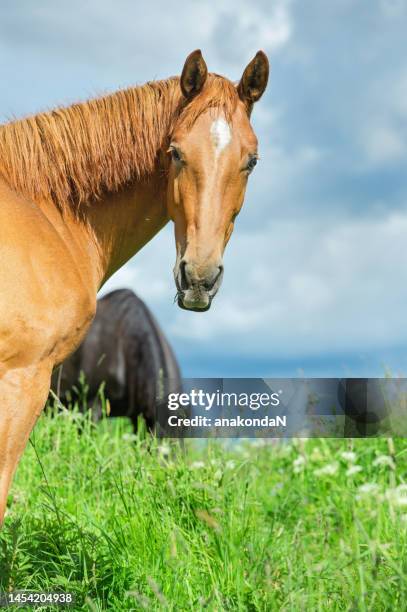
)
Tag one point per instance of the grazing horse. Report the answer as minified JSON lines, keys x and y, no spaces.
{"x":125,"y":349}
{"x":83,"y":188}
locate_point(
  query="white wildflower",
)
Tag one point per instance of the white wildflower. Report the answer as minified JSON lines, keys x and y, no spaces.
{"x":349,"y":456}
{"x":230,"y":465}
{"x":328,"y":470}
{"x":316,"y":454}
{"x":384,"y":460}
{"x":218,"y":474}
{"x":298,"y":464}
{"x":367,"y":489}
{"x":129,"y":437}
{"x":259,"y":442}
{"x":164,"y":450}
{"x":354,"y":469}
{"x":197,"y":465}
{"x":397,"y":496}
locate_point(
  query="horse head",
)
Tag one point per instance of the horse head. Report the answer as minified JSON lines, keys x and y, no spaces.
{"x":213,"y":150}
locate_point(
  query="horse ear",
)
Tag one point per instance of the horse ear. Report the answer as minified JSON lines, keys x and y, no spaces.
{"x":254,"y":79}
{"x":194,"y":74}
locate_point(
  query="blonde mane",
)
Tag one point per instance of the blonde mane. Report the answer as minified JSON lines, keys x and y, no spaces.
{"x":74,"y":155}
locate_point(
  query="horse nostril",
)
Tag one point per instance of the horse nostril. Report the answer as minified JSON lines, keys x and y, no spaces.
{"x":210,"y":284}
{"x":183,"y":275}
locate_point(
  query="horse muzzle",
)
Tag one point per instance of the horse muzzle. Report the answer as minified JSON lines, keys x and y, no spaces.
{"x":196,"y":291}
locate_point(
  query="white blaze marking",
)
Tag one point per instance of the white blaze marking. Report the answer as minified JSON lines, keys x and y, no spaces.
{"x":221,"y":135}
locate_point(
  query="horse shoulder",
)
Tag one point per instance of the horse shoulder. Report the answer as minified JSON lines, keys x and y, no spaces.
{"x":46,"y":300}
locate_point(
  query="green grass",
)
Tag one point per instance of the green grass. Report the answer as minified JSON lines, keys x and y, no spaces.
{"x":249,"y":527}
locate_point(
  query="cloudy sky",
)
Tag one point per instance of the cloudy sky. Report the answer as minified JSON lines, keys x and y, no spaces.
{"x":316,"y":271}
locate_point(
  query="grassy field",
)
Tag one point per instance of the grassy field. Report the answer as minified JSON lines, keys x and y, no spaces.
{"x":127,"y":524}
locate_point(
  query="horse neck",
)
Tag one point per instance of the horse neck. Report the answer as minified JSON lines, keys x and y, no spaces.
{"x":116,"y":225}
{"x":120,"y":224}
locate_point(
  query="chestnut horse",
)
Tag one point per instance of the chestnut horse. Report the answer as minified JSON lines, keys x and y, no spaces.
{"x":83,"y":188}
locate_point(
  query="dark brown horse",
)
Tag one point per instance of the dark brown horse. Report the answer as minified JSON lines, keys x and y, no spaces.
{"x":125,"y":350}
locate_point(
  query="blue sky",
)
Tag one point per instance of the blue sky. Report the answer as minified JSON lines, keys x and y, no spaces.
{"x":315,"y":273}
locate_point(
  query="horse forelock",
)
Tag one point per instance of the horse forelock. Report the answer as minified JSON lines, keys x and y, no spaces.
{"x":218,"y":94}
{"x":74,"y":155}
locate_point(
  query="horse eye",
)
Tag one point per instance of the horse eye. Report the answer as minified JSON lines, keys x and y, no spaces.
{"x":175,"y":154}
{"x":251,"y":163}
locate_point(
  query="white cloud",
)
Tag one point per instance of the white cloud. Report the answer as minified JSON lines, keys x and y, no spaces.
{"x":381,"y":121}
{"x":393,"y":9}
{"x":270,"y":28}
{"x":399,"y":98}
{"x":384,"y":143}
